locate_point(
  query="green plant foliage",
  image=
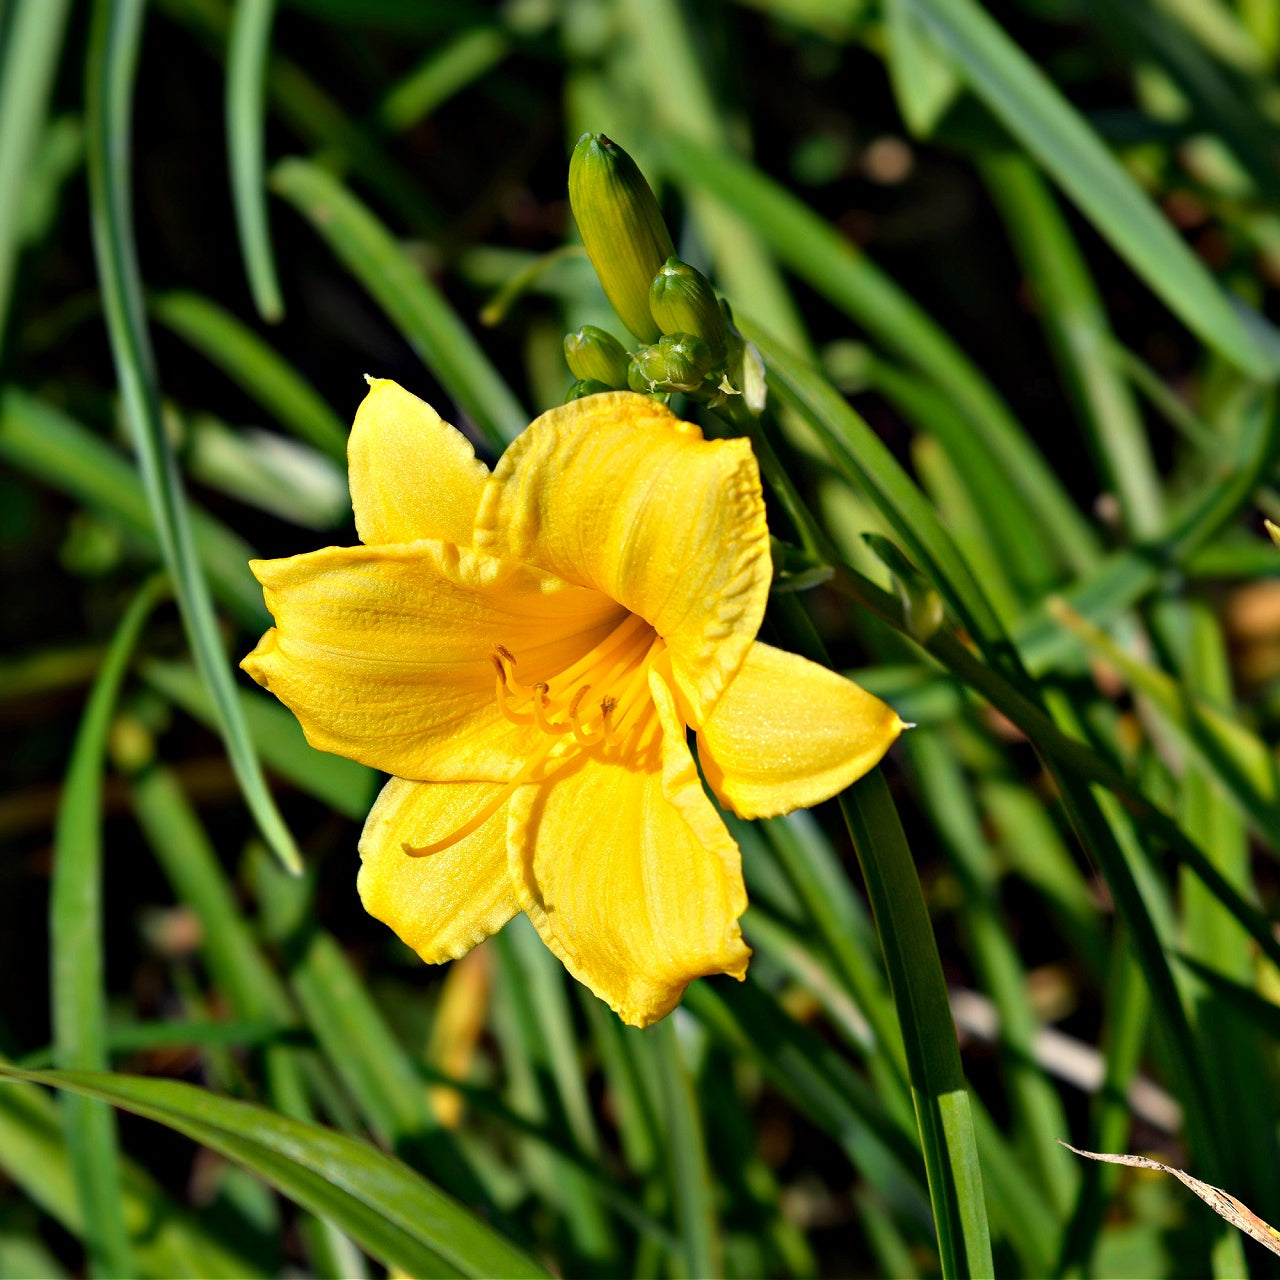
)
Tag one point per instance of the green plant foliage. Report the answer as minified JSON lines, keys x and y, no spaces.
{"x":991,"y":289}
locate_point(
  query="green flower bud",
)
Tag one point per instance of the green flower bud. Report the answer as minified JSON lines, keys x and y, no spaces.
{"x":682,"y":300}
{"x":586,"y":387}
{"x":676,"y":362}
{"x":596,"y":355}
{"x":636,"y":378}
{"x":622,"y":228}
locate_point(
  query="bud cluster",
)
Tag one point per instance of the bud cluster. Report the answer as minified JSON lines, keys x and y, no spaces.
{"x":687,"y":342}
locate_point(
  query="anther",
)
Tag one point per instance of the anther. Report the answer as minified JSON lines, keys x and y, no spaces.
{"x":502,"y":687}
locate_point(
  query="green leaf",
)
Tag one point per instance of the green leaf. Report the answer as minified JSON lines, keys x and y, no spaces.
{"x":690,"y":1173}
{"x":395,"y":1214}
{"x":75,"y":925}
{"x":345,"y":786}
{"x":255,"y":365}
{"x":167,"y":1241}
{"x":425,"y":319}
{"x":42,"y":441}
{"x":933,"y":1059}
{"x":441,"y":74}
{"x":247,"y":53}
{"x":115,"y":33}
{"x":1076,"y":326}
{"x":32,"y":45}
{"x":924,"y":82}
{"x":1040,"y":118}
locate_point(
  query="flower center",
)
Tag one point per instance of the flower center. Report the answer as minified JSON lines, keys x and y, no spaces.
{"x":603,"y":699}
{"x":598,"y":699}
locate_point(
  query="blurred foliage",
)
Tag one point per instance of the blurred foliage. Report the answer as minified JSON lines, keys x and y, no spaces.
{"x":1009,"y":269}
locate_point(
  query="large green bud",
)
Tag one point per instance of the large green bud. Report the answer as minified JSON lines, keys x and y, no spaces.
{"x":595,"y":355}
{"x":622,"y":228}
{"x":676,"y":362}
{"x":681,"y":300}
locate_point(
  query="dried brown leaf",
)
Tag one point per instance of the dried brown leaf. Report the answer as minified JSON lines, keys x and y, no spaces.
{"x":1223,"y":1203}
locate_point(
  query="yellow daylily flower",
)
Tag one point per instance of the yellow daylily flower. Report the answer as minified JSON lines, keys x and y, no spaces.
{"x":524,"y":651}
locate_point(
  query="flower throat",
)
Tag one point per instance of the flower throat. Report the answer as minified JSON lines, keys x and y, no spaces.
{"x":601,"y":700}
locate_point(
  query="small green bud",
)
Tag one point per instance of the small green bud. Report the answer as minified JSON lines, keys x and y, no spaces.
{"x":681,"y":300}
{"x":596,"y":355}
{"x":676,"y":362}
{"x":586,"y":387}
{"x":622,"y":228}
{"x":636,"y":378}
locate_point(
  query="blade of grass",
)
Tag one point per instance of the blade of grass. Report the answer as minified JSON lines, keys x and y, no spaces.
{"x":690,"y":1172}
{"x":346,"y":787}
{"x":1241,"y":764}
{"x":232,"y":953}
{"x":425,"y":319}
{"x":1006,"y":79}
{"x":245,"y":106}
{"x":41,"y":440}
{"x":1124,"y":1035}
{"x":1079,"y":336}
{"x":28,"y":62}
{"x":130,"y":1037}
{"x":113,"y":50}
{"x":255,"y":365}
{"x":530,"y":1093}
{"x":167,"y":1241}
{"x":1220,"y":103}
{"x":1070,"y":760}
{"x":924,"y":83}
{"x":967,"y":523}
{"x":441,"y":74}
{"x":534,"y":980}
{"x":813,"y":1077}
{"x":1037,"y":1114}
{"x":395,"y":1214}
{"x":1242,"y":1080}
{"x":315,"y":117}
{"x":933,"y":1059}
{"x":77,"y":981}
{"x":1011,"y":521}
{"x":382,"y":1079}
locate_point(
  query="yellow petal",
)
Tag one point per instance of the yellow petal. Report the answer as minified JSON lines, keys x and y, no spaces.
{"x":614,"y":492}
{"x":384,"y":653}
{"x":788,"y":733}
{"x":629,"y":875}
{"x":445,"y":903}
{"x":412,"y":475}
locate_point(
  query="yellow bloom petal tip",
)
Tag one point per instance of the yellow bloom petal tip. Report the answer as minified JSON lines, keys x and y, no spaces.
{"x":524,"y":651}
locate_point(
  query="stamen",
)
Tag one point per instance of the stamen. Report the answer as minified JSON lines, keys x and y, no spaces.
{"x":586,"y":738}
{"x":632,"y":705}
{"x":501,"y":688}
{"x":540,"y":703}
{"x":621,"y":635}
{"x":620,"y":662}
